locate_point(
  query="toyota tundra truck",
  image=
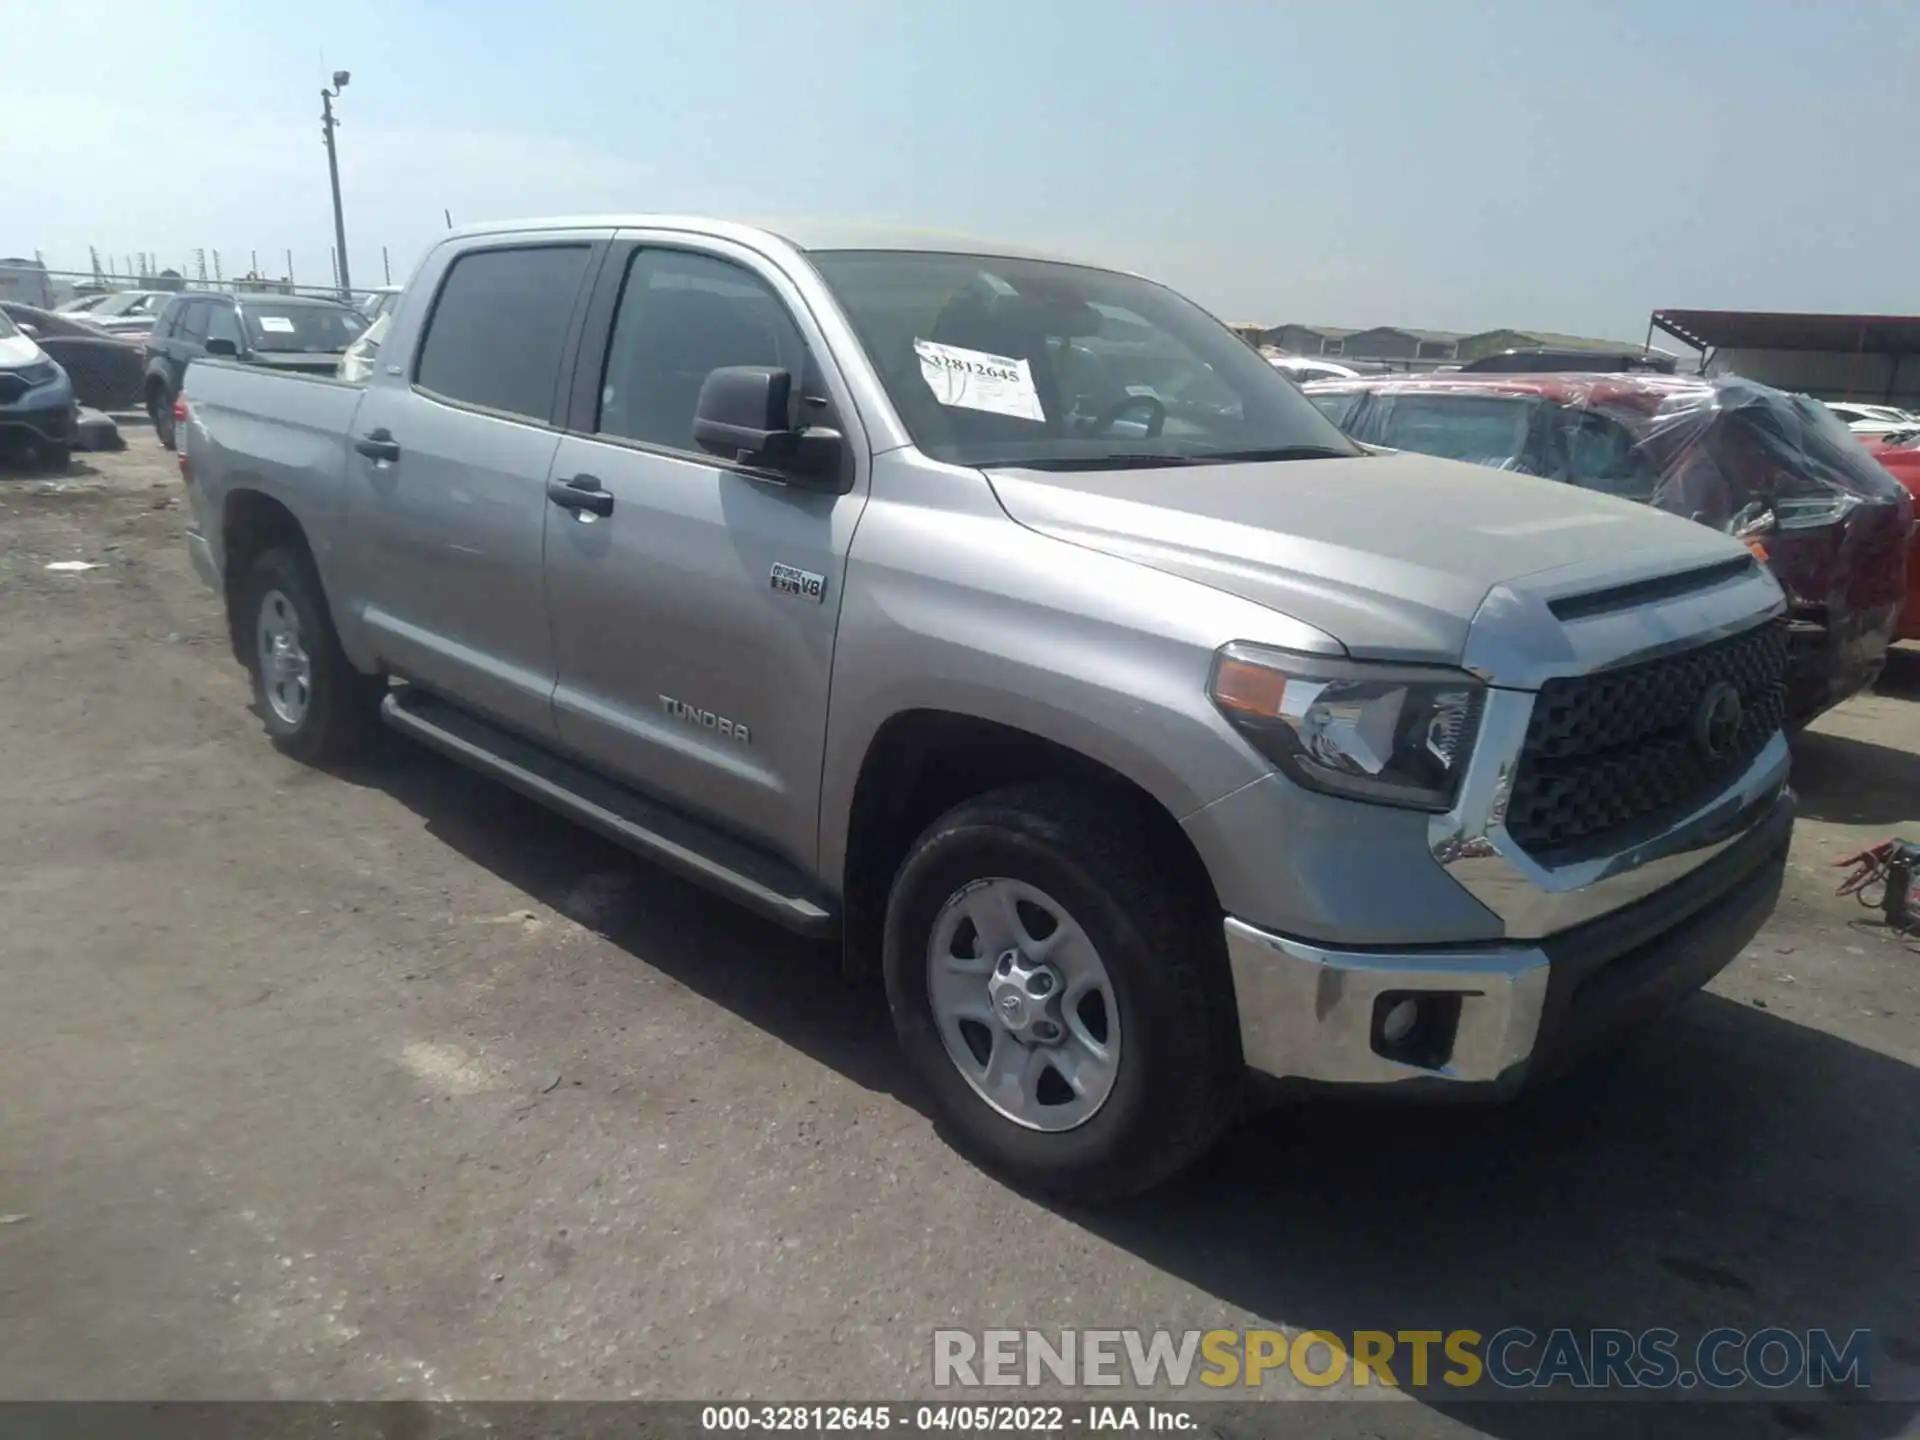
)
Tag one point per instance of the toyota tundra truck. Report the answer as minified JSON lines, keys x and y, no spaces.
{"x":1013,"y":622}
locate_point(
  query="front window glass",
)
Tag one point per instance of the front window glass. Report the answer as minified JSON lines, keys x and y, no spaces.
{"x":994,"y":361}
{"x":7,"y":329}
{"x":682,"y":316}
{"x":302,"y":329}
{"x":223,"y":324}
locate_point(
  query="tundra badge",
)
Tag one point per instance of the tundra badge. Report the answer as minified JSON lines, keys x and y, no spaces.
{"x":706,"y":720}
{"x":803,"y":583}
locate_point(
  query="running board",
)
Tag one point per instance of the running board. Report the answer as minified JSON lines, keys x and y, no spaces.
{"x":704,"y":855}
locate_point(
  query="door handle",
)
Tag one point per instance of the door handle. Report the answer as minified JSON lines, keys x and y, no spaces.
{"x":583,"y":492}
{"x":378,"y":445}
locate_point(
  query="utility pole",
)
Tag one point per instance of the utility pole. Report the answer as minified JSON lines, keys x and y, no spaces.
{"x":386,"y":266}
{"x":327,"y":126}
{"x":217,"y":278}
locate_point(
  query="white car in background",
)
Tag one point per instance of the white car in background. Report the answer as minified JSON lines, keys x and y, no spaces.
{"x":1302,"y":368}
{"x":1873,"y":419}
{"x":356,"y":364}
{"x":120,"y":312}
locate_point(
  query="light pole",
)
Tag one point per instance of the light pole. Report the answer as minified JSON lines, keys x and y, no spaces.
{"x":327,"y":124}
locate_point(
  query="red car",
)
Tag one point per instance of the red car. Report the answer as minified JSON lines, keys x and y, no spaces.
{"x":1900,"y":455}
{"x":1777,"y":470}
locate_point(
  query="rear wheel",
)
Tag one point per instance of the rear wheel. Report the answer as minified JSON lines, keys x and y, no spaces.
{"x":56,"y":458}
{"x":1063,"y":994}
{"x":315,"y":705}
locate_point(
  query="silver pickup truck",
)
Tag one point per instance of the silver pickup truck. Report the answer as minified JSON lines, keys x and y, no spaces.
{"x":1013,"y":621}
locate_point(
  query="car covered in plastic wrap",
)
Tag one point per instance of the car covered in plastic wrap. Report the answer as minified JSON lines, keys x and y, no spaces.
{"x":1899,"y":455}
{"x":1779,"y":471}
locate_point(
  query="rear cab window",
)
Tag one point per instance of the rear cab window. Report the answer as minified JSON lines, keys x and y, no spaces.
{"x":498,"y":329}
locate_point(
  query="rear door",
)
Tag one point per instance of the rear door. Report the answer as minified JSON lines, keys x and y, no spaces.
{"x":447,"y":486}
{"x":694,"y":620}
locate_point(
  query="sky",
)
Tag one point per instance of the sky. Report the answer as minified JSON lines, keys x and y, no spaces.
{"x":1447,"y":164}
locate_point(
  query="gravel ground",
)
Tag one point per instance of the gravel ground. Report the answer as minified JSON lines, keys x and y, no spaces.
{"x":389,"y":1084}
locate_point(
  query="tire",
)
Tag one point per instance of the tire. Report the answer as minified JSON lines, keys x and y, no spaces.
{"x":316,"y":707}
{"x":1177,"y":1071}
{"x":160,"y":411}
{"x":57,"y":458}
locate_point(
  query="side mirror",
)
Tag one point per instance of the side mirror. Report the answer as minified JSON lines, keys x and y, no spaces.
{"x":745,"y":413}
{"x":31,"y":331}
{"x":222,"y":347}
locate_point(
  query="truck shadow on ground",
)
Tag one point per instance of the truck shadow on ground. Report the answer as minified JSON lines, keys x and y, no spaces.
{"x":1856,"y":782}
{"x":1733,"y":1168}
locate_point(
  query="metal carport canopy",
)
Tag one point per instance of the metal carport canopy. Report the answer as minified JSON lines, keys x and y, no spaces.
{"x":1763,"y":330}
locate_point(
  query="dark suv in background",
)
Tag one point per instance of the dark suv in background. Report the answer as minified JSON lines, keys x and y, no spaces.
{"x":283,"y":332}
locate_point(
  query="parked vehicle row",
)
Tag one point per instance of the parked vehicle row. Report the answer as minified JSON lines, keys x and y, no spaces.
{"x":37,"y":408}
{"x":105,"y":369}
{"x":1776,"y":470}
{"x":1171,"y":734}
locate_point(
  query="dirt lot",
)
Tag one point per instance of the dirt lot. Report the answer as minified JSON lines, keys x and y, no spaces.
{"x":392,"y":1085}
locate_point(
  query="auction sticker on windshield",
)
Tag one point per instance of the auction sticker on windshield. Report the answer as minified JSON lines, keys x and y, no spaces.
{"x":276,"y":324}
{"x":975,"y":380}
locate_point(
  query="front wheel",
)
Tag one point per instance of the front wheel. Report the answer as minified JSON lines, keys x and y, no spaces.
{"x":315,"y":705}
{"x":160,"y":411}
{"x":1062,"y":992}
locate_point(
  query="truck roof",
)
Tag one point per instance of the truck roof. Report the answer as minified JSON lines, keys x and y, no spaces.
{"x":802,"y":234}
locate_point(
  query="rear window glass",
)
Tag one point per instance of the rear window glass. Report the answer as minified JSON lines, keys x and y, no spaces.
{"x":498,"y":327}
{"x":1487,"y":430}
{"x":302,"y":329}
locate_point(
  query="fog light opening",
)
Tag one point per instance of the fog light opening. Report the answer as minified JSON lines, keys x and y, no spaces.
{"x":1416,"y":1027}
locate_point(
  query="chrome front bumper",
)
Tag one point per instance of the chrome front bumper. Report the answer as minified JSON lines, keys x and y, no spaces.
{"x":1308,"y":1013}
{"x":1512,"y":1011}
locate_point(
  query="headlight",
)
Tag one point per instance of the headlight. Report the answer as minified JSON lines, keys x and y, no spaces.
{"x":44,"y":372}
{"x":1393,"y":734}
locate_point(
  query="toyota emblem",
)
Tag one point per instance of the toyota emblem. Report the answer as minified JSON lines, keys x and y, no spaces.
{"x":1716,"y":721}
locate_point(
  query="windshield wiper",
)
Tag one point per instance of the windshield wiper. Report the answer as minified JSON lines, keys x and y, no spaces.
{"x":1119,"y":460}
{"x":1277,"y":452}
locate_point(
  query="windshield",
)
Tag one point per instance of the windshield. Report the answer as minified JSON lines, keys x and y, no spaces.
{"x":123,"y":302}
{"x":302,"y":329}
{"x":7,"y":330}
{"x":994,"y":361}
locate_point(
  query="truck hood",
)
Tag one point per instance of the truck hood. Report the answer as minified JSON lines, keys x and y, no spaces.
{"x":1390,"y":554}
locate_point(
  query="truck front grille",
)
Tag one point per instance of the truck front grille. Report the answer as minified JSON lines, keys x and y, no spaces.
{"x":1608,"y":751}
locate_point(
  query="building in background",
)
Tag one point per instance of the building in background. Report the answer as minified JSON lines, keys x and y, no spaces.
{"x":27,"y":283}
{"x":1875,"y":358}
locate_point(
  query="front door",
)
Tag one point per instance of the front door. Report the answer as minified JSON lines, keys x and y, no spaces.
{"x":694,"y":620}
{"x":447,"y":480}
